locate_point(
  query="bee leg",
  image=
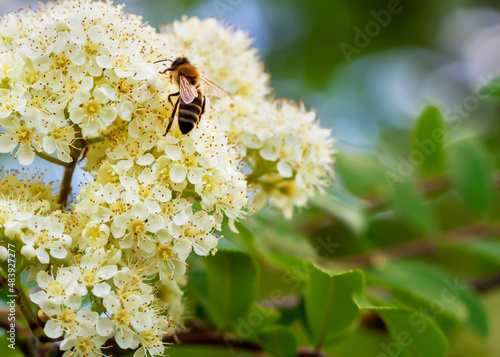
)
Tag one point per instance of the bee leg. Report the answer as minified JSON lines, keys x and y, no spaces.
{"x":202,"y":111}
{"x":172,"y":116}
{"x":172,"y":95}
{"x":169,"y":126}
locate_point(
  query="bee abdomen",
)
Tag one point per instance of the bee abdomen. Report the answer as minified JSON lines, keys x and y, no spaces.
{"x":189,"y":115}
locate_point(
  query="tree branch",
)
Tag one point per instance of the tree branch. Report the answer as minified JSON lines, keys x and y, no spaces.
{"x":424,"y":246}
{"x":75,"y":153}
{"x":52,"y":159}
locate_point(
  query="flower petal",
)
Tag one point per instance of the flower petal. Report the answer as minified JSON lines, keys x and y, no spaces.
{"x":178,"y":173}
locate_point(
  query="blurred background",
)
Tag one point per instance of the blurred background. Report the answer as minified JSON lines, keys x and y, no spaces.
{"x":370,"y":67}
{"x":362,"y":70}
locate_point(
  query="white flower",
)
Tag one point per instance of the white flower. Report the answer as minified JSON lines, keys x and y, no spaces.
{"x":187,"y":162}
{"x":58,"y":138}
{"x":12,"y":101}
{"x":94,"y":235}
{"x":61,"y":289}
{"x":145,"y":189}
{"x":92,"y":110}
{"x":85,"y":342}
{"x":128,"y":316}
{"x":151,"y":339}
{"x":135,"y":226}
{"x":22,"y":133}
{"x":64,"y":318}
{"x":94,"y":270}
{"x":132,"y":151}
{"x":46,"y":233}
{"x":13,"y":217}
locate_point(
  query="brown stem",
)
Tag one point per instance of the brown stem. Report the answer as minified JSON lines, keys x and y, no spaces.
{"x":52,"y":159}
{"x":24,"y":303}
{"x":75,"y":153}
{"x":66,"y":185}
{"x":485,"y":284}
{"x":426,"y":187}
{"x":424,"y":246}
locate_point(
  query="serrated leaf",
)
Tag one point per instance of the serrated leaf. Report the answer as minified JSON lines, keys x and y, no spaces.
{"x":414,"y":334}
{"x":470,"y":170}
{"x":433,"y":287}
{"x":329,"y":307}
{"x":428,"y":151}
{"x":232,"y":279}
{"x":279,"y":341}
{"x":411,"y":208}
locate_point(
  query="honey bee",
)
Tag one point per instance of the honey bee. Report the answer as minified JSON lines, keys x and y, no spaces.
{"x":191,"y":100}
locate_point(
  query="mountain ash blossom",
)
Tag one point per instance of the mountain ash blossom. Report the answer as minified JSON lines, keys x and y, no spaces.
{"x":112,"y":265}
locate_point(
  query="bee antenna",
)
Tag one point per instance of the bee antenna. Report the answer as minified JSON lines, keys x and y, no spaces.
{"x":163,"y":60}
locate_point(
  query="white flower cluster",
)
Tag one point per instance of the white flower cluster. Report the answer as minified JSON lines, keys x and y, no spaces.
{"x":86,"y":266}
{"x":81,"y":74}
{"x":288,"y":152}
{"x":82,"y":70}
{"x":24,"y":202}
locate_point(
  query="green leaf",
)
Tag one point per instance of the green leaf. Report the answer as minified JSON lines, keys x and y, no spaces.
{"x":226,"y":244}
{"x":329,"y":307}
{"x":248,"y":326}
{"x":414,"y":334}
{"x":279,"y":341}
{"x":428,"y":151}
{"x":492,"y":88}
{"x":437,"y":291}
{"x":411,"y":208}
{"x":470,"y":170}
{"x":5,"y":350}
{"x":488,"y":249}
{"x":363,"y":175}
{"x":197,"y":287}
{"x":352,"y":213}
{"x":232,"y":279}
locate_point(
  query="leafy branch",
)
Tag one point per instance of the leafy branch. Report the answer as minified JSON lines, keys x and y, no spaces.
{"x":420,"y":247}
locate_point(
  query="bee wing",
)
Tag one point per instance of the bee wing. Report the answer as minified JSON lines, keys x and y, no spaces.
{"x":187,"y":91}
{"x":211,"y":88}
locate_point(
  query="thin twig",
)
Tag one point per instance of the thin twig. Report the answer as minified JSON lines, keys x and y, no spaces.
{"x":485,"y":284}
{"x":75,"y":153}
{"x":66,"y":186}
{"x":52,"y":159}
{"x":426,"y":187}
{"x":421,"y":247}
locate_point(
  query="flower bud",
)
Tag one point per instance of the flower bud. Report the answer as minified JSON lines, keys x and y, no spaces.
{"x":3,"y":253}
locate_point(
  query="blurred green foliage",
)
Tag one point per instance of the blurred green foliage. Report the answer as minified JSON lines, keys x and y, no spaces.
{"x":415,"y":206}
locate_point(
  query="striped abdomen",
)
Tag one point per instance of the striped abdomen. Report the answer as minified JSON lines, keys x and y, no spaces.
{"x":190,"y":113}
